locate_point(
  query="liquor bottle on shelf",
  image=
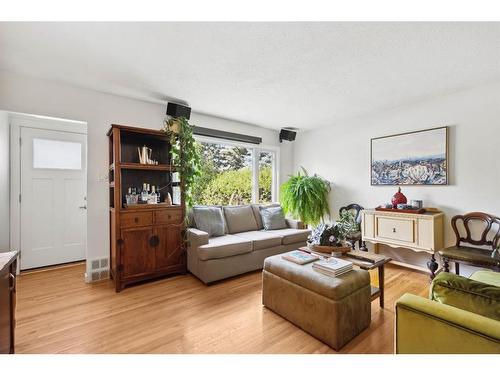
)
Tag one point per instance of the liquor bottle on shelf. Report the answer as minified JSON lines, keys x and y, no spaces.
{"x":144,"y":193}
{"x":128,"y":197}
{"x":158,"y":196}
{"x":152,"y":196}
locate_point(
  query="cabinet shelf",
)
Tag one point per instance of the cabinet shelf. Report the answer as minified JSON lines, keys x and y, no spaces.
{"x":147,"y":167}
{"x":149,"y":206}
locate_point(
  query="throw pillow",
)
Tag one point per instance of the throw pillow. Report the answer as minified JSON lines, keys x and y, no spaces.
{"x":256,"y":211}
{"x":240,"y":219}
{"x":210,"y":220}
{"x":273,"y":218}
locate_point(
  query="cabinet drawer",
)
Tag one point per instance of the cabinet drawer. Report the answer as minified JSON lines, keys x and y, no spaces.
{"x":136,"y":219}
{"x":396,"y":229}
{"x":168,"y":217}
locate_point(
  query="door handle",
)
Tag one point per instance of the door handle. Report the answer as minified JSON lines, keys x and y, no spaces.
{"x":83,"y":207}
{"x":393,"y":230}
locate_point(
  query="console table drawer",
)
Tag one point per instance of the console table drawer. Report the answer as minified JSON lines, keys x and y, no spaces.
{"x":396,"y":229}
{"x":136,"y":219}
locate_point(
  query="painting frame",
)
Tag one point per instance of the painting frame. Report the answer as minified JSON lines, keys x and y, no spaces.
{"x":446,"y":182}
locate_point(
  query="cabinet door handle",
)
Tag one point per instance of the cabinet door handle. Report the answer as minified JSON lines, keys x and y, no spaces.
{"x":136,"y":219}
{"x":12,"y":283}
{"x":154,"y":241}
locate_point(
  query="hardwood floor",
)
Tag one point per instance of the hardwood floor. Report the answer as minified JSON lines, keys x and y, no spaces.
{"x":58,"y":313}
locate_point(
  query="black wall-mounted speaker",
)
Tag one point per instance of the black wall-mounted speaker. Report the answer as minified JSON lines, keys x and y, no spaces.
{"x":178,"y":110}
{"x":287,"y":135}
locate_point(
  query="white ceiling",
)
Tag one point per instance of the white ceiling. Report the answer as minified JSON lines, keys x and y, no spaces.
{"x":274,"y":75}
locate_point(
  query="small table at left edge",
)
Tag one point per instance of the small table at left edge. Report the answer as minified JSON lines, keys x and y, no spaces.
{"x":8,"y":269}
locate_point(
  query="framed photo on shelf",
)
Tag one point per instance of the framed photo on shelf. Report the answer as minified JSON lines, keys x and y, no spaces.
{"x":413,"y":158}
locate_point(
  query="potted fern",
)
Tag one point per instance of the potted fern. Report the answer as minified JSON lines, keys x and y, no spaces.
{"x":305,"y":197}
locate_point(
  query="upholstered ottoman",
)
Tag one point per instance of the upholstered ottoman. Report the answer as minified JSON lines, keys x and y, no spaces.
{"x":332,"y":309}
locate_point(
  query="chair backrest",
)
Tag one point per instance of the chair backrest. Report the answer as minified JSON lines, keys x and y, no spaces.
{"x":353,"y":207}
{"x":487,"y":221}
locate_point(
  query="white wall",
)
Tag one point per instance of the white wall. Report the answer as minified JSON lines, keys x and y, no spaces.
{"x":341,"y":153}
{"x":4,"y":182}
{"x":30,"y":95}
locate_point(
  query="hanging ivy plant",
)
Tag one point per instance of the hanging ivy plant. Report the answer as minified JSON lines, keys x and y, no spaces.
{"x":185,"y":155}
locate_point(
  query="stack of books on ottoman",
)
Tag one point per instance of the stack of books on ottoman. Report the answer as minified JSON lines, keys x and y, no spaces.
{"x":300,"y":257}
{"x":332,"y":266}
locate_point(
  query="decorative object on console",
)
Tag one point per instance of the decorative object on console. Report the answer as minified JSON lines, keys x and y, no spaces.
{"x":398,"y":198}
{"x":413,"y":158}
{"x":417,"y":203}
{"x":474,"y":255}
{"x":306,"y":197}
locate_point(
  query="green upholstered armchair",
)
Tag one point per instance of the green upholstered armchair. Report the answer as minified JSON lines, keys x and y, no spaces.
{"x":462,"y":315}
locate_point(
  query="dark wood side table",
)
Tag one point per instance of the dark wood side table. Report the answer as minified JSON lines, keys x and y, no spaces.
{"x":8,"y":268}
{"x":365,"y":261}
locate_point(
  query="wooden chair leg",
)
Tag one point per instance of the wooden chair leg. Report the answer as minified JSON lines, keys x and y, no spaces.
{"x":362,"y":246}
{"x":446,"y":265}
{"x":353,"y":244}
{"x":457,"y":268}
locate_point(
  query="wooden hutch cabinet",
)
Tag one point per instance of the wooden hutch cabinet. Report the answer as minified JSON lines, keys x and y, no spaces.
{"x":146,"y":239}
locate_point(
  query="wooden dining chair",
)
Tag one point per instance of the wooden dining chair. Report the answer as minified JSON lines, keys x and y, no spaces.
{"x":487,"y":256}
{"x":354,"y":237}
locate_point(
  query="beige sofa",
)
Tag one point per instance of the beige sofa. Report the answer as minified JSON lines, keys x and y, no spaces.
{"x":244,"y":246}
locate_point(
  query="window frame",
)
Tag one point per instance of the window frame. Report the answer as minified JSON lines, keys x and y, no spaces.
{"x":255,"y":151}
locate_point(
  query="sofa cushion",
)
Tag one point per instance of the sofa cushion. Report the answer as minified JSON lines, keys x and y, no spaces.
{"x":223,"y":247}
{"x":260,"y":240}
{"x":239,"y":219}
{"x":290,"y":235}
{"x":273,"y":218}
{"x":256,"y":211}
{"x":210,"y":220}
{"x":466,"y":294}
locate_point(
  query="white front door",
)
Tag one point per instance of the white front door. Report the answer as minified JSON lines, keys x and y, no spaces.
{"x":53,"y":197}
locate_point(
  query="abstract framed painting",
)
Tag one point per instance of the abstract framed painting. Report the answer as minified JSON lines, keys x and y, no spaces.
{"x":413,"y":158}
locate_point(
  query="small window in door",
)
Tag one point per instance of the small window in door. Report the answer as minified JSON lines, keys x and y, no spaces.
{"x":51,"y":154}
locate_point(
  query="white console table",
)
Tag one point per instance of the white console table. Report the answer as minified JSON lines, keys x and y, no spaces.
{"x":417,"y":232}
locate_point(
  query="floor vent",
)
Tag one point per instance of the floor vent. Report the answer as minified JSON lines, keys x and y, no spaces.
{"x":99,"y":269}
